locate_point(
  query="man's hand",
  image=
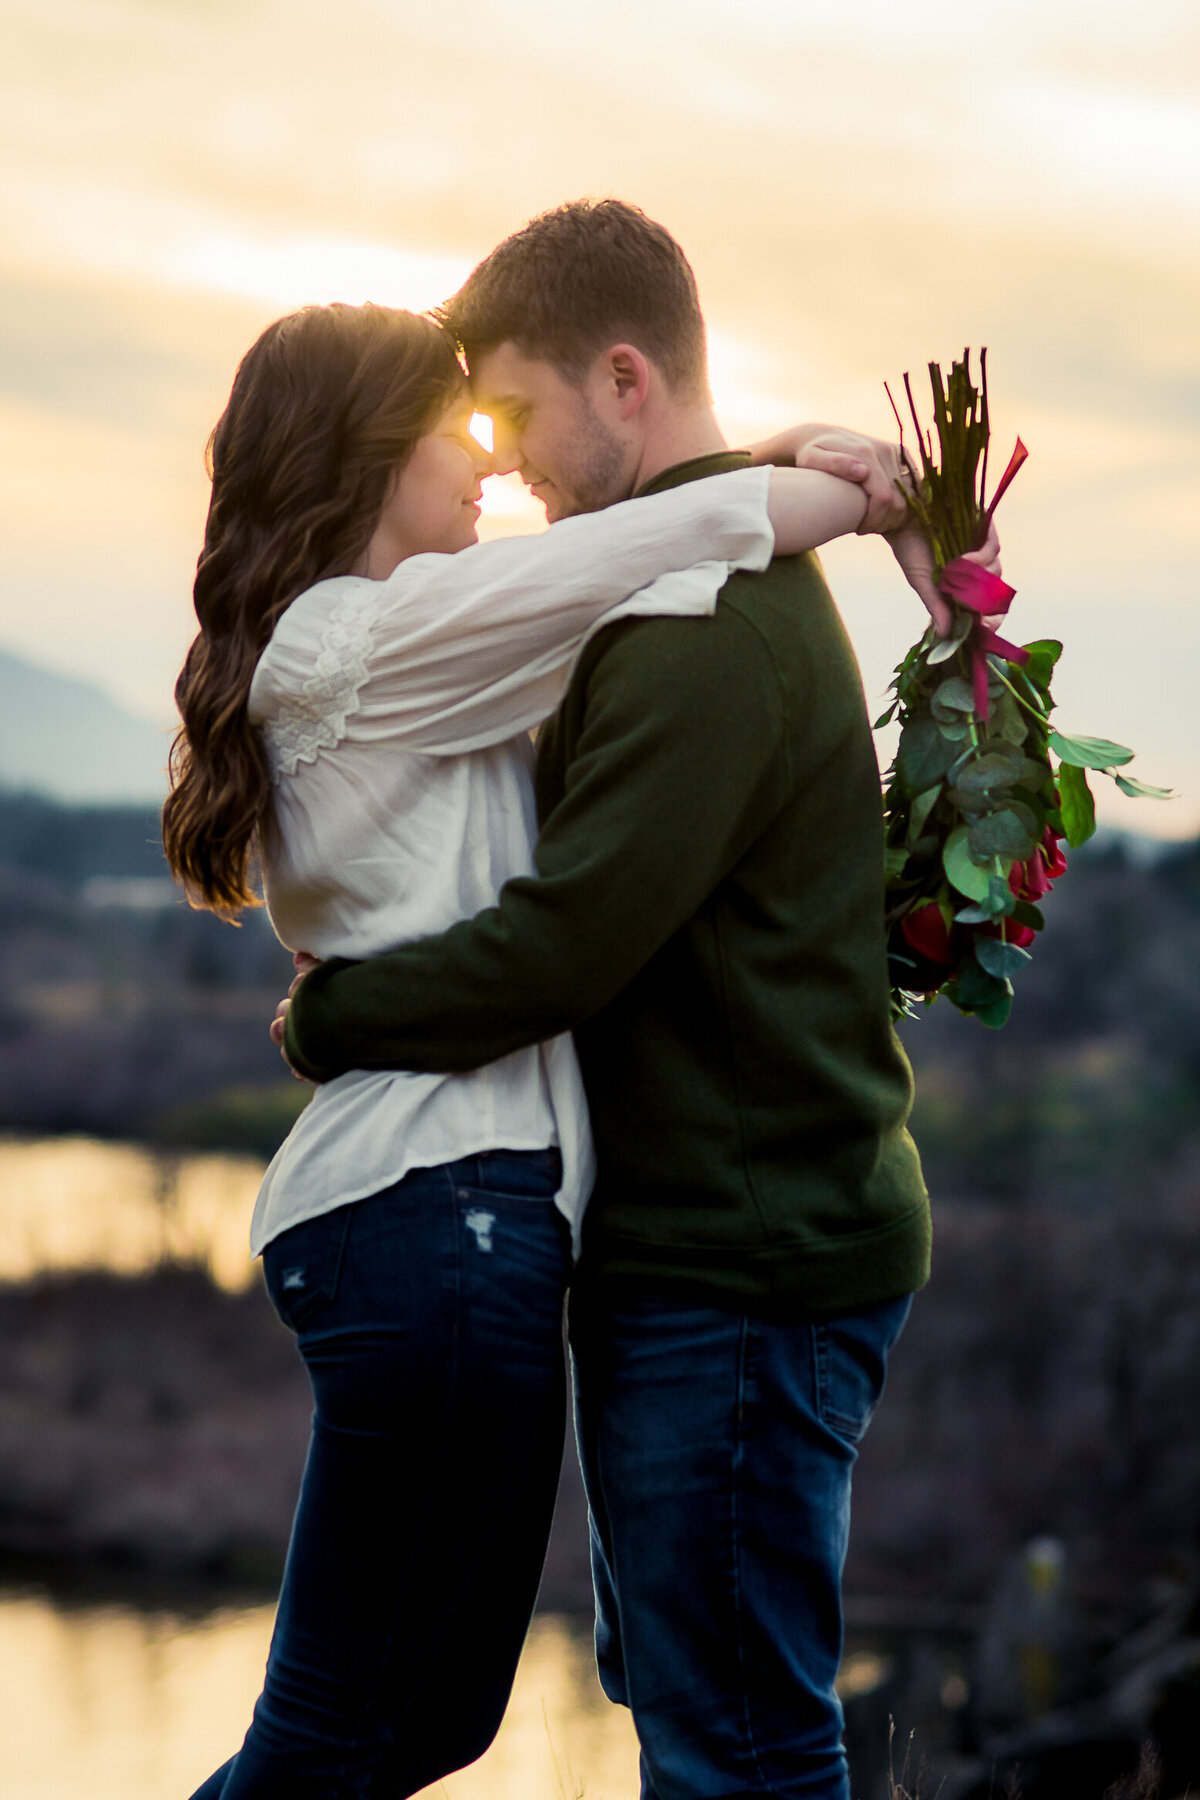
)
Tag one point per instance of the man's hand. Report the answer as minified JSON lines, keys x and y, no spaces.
{"x":872,"y":463}
{"x":302,"y":962}
{"x":911,"y":550}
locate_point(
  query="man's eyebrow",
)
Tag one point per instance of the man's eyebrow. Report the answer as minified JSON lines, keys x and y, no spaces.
{"x":499,"y":402}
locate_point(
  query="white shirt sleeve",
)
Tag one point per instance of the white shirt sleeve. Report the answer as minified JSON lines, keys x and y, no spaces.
{"x":453,"y":653}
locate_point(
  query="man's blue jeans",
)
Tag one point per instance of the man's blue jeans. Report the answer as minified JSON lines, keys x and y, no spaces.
{"x":717,"y":1453}
{"x":430,"y":1321}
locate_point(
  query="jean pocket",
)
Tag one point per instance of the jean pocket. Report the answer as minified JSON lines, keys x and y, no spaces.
{"x":850,"y":1356}
{"x":302,"y":1266}
{"x":514,"y":1174}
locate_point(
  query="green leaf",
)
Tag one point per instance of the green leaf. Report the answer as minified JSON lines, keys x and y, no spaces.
{"x":1000,"y":959}
{"x":1076,"y":804}
{"x":990,"y":909}
{"x":975,"y":987}
{"x":1128,"y":785}
{"x":955,"y":694}
{"x":961,"y":872}
{"x":984,"y":773}
{"x":1035,"y":775}
{"x":922,"y":806}
{"x":894,"y":861}
{"x":923,"y":756}
{"x":997,"y":1014}
{"x":1008,"y":721}
{"x":1042,"y":657}
{"x":945,"y":648}
{"x":1001,"y":898}
{"x":1003,"y":834}
{"x":954,"y":728}
{"x":885,"y":718}
{"x":1088,"y":752}
{"x":1026,"y":913}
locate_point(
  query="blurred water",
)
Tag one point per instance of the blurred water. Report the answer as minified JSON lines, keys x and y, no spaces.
{"x":72,"y":1203}
{"x":121,"y":1690}
{"x":136,"y":1700}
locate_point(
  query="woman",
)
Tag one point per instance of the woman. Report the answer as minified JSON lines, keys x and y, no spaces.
{"x":357,"y":706}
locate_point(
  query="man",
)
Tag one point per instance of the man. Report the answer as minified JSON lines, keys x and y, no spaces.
{"x":707,"y":919}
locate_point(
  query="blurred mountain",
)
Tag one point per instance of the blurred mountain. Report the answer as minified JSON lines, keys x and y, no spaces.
{"x":67,"y":739}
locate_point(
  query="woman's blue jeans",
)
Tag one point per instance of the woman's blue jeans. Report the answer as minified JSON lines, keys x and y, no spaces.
{"x":429,"y":1318}
{"x":717,"y":1452}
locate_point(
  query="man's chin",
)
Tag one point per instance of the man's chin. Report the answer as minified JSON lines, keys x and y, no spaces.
{"x":554,"y":503}
{"x":559,"y":507}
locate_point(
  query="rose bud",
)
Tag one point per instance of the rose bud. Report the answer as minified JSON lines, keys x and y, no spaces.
{"x":925,"y":931}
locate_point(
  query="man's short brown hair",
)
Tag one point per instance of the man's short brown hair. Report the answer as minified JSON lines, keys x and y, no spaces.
{"x":571,"y":282}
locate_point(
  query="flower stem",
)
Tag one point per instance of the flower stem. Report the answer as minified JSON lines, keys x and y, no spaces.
{"x":1020,"y":699}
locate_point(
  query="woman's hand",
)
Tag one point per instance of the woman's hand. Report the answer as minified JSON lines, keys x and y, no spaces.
{"x":302,"y":962}
{"x":871,"y":463}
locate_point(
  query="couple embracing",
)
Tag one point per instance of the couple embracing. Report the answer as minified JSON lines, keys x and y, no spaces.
{"x":611,"y":1013}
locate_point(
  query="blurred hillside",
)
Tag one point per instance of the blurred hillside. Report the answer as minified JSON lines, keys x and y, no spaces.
{"x":122,"y":1011}
{"x":1090,"y":1092}
{"x":125,"y":1013}
{"x":68,"y":739}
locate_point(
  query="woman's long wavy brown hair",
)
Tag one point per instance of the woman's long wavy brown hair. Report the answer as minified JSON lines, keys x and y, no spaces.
{"x":325,"y":407}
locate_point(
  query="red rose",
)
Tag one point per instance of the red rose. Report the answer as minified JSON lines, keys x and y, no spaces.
{"x":1029,"y":880}
{"x":925,"y":931}
{"x":1055,"y":858}
{"x":1032,"y":880}
{"x":1020,"y":935}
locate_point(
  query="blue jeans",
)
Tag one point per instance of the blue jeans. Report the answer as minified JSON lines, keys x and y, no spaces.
{"x":430,"y":1321}
{"x":717,"y":1452}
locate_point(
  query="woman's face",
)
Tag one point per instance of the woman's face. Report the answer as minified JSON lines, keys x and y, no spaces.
{"x":433,"y":502}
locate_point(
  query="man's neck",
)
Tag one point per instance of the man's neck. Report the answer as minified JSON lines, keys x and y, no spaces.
{"x":677,"y":438}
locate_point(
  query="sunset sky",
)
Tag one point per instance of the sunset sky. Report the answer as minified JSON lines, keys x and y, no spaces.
{"x":860,"y":188}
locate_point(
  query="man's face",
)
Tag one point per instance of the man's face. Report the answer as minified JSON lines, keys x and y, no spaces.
{"x":553,"y":432}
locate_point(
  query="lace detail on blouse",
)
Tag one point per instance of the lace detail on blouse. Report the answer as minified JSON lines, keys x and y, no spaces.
{"x":315,"y":719}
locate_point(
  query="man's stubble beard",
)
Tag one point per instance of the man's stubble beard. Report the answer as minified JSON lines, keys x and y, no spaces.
{"x":603,"y":474}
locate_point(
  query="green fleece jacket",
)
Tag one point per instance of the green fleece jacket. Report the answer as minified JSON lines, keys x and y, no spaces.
{"x":707,"y":918}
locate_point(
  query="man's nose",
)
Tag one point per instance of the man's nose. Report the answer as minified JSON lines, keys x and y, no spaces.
{"x":506,"y":450}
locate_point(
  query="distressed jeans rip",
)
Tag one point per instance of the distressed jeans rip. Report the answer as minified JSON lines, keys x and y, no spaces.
{"x":481,"y":1224}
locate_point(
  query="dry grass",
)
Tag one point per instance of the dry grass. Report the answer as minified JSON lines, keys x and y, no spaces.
{"x":898,"y":1785}
{"x":1144,"y":1784}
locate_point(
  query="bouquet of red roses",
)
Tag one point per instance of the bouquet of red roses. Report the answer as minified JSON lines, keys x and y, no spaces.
{"x":983,"y":790}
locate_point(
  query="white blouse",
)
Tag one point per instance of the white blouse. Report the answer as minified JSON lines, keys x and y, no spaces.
{"x":396,"y":716}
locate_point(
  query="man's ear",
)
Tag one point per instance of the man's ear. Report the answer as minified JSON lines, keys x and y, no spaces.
{"x":626,"y":375}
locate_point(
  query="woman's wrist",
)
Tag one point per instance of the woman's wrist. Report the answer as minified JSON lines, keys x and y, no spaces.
{"x":808,"y":508}
{"x":784,"y":448}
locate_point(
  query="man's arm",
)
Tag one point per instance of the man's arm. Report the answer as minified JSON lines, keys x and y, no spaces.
{"x":677,"y":771}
